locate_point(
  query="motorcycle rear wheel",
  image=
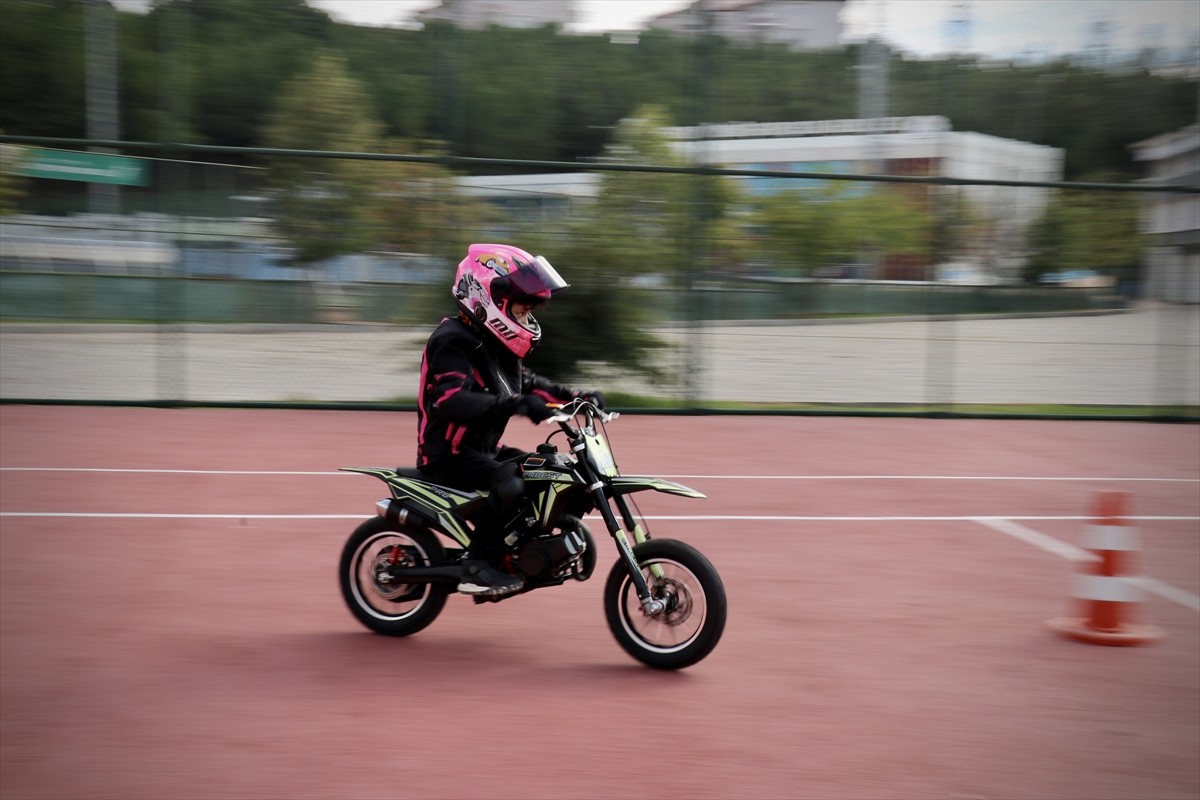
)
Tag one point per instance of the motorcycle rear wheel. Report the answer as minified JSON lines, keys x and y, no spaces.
{"x":694,"y":619}
{"x":379,"y":603}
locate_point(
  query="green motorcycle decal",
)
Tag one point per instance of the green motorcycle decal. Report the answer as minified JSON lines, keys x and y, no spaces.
{"x":624,"y":484}
{"x":433,"y":502}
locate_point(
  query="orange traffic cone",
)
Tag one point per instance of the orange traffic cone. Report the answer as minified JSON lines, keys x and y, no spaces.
{"x":1108,"y":598}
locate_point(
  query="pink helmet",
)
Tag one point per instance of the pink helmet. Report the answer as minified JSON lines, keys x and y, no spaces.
{"x":494,"y":276}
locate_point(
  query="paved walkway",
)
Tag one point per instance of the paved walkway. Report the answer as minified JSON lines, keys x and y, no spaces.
{"x":1142,"y":357}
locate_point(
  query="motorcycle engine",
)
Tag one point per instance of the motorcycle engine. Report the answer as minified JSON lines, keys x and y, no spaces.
{"x":547,"y":556}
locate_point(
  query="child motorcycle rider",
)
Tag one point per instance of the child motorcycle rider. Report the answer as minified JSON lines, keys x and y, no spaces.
{"x":473,"y":381}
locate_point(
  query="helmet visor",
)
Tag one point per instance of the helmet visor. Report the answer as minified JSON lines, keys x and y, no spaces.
{"x":534,"y":282}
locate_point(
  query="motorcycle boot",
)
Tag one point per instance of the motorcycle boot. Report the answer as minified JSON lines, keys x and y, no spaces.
{"x":481,"y":577}
{"x":481,"y":573}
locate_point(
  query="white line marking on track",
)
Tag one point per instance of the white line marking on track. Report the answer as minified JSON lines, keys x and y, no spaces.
{"x":151,"y":515}
{"x":1119,"y":479}
{"x":1038,"y":539}
{"x":926,"y":478}
{"x":675,"y":518}
{"x":173,"y":471}
{"x":1073,"y":553}
{"x":1168,"y":592}
{"x":1006,"y":525}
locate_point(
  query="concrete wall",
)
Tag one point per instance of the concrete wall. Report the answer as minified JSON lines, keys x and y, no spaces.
{"x":1172,"y":274}
{"x":1171,"y":222}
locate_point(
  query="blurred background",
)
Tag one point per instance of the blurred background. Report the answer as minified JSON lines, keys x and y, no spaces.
{"x":843,"y":206}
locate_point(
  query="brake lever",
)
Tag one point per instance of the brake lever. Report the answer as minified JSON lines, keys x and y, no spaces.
{"x":559,"y":415}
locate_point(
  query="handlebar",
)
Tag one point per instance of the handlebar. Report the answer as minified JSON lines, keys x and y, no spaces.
{"x":568,"y":411}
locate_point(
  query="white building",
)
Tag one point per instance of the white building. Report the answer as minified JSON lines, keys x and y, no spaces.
{"x":894,"y":146}
{"x":554,"y":195}
{"x":479,"y":14}
{"x":1172,"y":221}
{"x":799,"y":24}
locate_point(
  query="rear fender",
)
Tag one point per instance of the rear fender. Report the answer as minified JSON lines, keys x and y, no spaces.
{"x":442,"y":507}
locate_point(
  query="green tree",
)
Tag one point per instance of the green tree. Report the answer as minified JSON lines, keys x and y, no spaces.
{"x":666,"y":221}
{"x":641,"y":223}
{"x":420,"y":210}
{"x":42,"y":83}
{"x":12,"y":183}
{"x":800,"y":230}
{"x":324,"y":206}
{"x":1087,"y":230}
{"x":887,"y":222}
{"x":219,"y":63}
{"x":208,"y":71}
{"x":416,"y":199}
{"x":806,"y":230}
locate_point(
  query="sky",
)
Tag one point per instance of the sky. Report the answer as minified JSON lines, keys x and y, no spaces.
{"x":1007,"y":29}
{"x":999,"y":28}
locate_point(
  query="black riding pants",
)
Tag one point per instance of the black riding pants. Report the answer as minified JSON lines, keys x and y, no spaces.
{"x":500,"y":476}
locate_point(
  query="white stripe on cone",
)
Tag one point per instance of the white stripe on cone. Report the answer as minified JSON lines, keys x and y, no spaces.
{"x":1107,"y":598}
{"x":1111,"y":589}
{"x":1111,"y":537}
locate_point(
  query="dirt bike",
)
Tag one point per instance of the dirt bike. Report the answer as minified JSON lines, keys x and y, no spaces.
{"x":664,"y":602}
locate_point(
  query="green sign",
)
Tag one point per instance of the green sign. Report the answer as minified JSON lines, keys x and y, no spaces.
{"x":91,"y":167}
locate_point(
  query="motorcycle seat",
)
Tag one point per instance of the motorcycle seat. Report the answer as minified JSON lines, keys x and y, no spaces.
{"x":414,"y":473}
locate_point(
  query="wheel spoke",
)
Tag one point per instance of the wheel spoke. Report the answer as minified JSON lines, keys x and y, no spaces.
{"x":382,"y":603}
{"x":376,"y":592}
{"x":691,"y":594}
{"x":675,"y":627}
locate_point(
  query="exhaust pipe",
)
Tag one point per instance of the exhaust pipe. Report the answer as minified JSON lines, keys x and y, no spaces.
{"x":393,"y":512}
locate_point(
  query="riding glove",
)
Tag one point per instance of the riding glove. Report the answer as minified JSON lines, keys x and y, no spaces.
{"x":593,"y":396}
{"x":533,"y":407}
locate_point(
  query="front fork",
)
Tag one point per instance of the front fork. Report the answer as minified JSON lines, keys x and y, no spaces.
{"x":650,"y":606}
{"x":633,"y":526}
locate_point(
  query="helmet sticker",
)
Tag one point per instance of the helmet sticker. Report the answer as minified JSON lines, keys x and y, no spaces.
{"x":502,"y":330}
{"x":470,"y":289}
{"x":495,"y":263}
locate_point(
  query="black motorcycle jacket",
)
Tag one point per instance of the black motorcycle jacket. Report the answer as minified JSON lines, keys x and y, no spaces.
{"x":470,"y":385}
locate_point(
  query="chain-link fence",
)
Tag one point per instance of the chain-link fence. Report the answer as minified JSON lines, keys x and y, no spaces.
{"x":203,"y":301}
{"x":875,"y":264}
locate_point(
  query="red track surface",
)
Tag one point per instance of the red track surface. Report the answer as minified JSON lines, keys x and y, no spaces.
{"x":867,"y":658}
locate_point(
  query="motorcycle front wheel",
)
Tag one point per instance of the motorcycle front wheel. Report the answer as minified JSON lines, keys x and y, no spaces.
{"x":381,"y":603}
{"x":689,"y":627}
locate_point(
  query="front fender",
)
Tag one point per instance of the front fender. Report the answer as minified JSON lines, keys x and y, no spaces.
{"x":625,"y":484}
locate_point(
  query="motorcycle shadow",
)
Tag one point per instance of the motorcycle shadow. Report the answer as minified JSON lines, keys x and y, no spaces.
{"x":450,"y":657}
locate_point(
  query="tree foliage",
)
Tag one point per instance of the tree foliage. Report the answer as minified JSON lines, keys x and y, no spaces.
{"x":1087,"y":231}
{"x":212,"y":68}
{"x":658,"y":223}
{"x":634,"y":227}
{"x":42,"y":84}
{"x":806,"y":231}
{"x":324,"y":205}
{"x":228,"y":59}
{"x":12,"y":183}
